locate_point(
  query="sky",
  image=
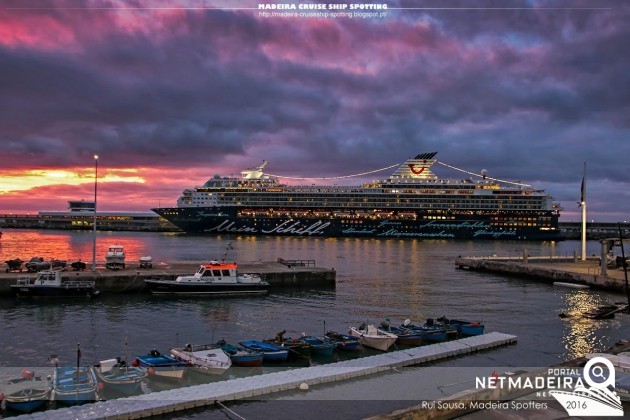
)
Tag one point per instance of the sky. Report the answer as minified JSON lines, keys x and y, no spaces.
{"x":169,"y":93}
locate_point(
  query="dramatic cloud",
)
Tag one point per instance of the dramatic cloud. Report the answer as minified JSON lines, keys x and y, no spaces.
{"x":179,"y":91}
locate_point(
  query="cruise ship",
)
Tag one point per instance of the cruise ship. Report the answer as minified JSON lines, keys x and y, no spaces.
{"x":412,"y":203}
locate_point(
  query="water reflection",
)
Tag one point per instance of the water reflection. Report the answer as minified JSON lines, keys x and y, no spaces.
{"x":581,"y":335}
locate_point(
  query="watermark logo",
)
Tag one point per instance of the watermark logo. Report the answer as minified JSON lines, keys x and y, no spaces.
{"x":599,"y":398}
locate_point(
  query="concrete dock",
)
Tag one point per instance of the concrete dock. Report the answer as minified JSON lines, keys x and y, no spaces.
{"x":550,"y":270}
{"x":280,"y":274}
{"x":170,"y":401}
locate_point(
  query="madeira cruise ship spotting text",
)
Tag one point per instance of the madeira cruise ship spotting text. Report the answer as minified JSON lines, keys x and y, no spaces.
{"x":412,"y":203}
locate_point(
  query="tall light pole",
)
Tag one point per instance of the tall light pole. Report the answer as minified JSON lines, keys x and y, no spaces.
{"x":583,"y":205}
{"x":94,"y":227}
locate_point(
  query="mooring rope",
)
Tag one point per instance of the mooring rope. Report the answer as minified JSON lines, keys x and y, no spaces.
{"x":223,"y":406}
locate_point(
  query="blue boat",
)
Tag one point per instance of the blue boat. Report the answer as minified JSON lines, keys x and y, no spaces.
{"x":74,"y":385}
{"x":464,"y":328}
{"x":114,"y":375}
{"x":431,"y":332}
{"x":297,"y":349}
{"x":406,"y":336}
{"x":271,"y":352}
{"x":240,"y":356}
{"x":160,"y":366}
{"x":318,"y":346}
{"x":26,"y":393}
{"x":343,"y":342}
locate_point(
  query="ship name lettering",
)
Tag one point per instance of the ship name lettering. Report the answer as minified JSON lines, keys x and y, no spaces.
{"x":398,"y":234}
{"x":227,"y":226}
{"x":389,"y":222}
{"x":353,"y":230}
{"x":295,"y":228}
{"x":495,"y":233}
{"x":455,"y":225}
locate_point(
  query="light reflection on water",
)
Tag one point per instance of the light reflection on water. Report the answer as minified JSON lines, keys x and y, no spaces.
{"x":582,"y":335}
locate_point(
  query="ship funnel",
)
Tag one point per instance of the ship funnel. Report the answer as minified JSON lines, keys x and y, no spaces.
{"x":254,"y":173}
{"x":418,"y":167}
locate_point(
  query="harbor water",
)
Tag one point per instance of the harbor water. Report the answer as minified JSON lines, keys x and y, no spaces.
{"x":376,"y":279}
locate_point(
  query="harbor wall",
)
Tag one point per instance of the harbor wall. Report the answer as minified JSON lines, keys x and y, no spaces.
{"x":549,"y":271}
{"x":131,"y":280}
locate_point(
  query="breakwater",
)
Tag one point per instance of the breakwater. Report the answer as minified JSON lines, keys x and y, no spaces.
{"x":280,"y":274}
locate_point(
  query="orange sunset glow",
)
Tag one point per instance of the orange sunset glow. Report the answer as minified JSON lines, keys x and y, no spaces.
{"x":12,"y":181}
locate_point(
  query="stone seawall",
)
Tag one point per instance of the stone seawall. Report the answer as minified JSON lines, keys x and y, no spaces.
{"x":550,"y":272}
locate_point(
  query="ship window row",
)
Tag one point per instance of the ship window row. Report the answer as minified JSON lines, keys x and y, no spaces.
{"x":270,"y":201}
{"x":378,"y":197}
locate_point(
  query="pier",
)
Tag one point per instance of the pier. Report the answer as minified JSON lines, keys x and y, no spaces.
{"x":280,"y":274}
{"x":170,"y":401}
{"x":550,"y":269}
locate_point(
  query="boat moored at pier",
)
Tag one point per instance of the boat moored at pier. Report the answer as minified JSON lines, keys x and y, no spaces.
{"x":203,"y":358}
{"x":212,"y":279}
{"x":49,"y":284}
{"x":26,"y":393}
{"x":412,"y":203}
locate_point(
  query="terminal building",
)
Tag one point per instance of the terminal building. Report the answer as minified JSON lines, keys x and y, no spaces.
{"x":80,"y":216}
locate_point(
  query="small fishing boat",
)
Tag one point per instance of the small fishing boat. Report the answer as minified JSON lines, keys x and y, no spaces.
{"x":297,"y":349}
{"x":49,"y":283}
{"x":373,"y":337}
{"x":464,"y":328}
{"x":431,"y":332}
{"x":343,"y":342}
{"x":74,"y":385}
{"x":317,"y":345}
{"x":203,"y":358}
{"x":115,"y":375}
{"x":240,"y":356}
{"x":406,"y":337}
{"x":271,"y":352}
{"x":603,"y":312}
{"x":160,"y":366}
{"x":26,"y":393}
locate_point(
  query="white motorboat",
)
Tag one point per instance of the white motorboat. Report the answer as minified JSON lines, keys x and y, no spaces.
{"x":212,"y":279}
{"x":49,"y":283}
{"x":373,"y":337}
{"x":203,"y":358}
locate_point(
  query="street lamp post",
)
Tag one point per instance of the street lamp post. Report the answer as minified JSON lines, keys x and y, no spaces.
{"x":94,"y":224}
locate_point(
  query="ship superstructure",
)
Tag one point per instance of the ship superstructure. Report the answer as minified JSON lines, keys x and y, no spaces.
{"x":413,"y":202}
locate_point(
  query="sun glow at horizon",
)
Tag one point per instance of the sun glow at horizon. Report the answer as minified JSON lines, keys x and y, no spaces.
{"x":26,"y":180}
